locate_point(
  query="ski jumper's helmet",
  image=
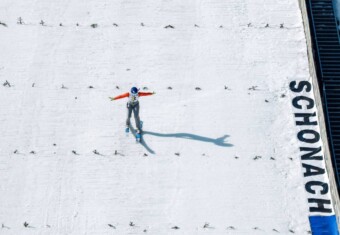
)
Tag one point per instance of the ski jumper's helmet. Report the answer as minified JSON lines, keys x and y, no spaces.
{"x":134,"y":90}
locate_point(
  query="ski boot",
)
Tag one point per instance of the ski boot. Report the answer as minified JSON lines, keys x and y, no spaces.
{"x":138,"y":135}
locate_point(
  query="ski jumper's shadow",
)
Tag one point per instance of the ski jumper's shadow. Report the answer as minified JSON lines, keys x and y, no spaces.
{"x":142,"y":142}
{"x":221,"y":141}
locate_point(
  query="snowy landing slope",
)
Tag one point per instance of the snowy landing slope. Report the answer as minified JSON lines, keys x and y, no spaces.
{"x":224,"y":155}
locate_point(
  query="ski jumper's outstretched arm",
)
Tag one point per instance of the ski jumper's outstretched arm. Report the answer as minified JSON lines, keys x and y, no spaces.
{"x":125,"y":95}
{"x":145,"y":93}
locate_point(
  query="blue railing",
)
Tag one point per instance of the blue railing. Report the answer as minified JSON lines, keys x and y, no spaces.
{"x":330,"y":136}
{"x":326,"y":44}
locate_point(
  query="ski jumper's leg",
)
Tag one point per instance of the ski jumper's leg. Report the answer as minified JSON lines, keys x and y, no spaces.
{"x":136,"y":115}
{"x":129,"y":112}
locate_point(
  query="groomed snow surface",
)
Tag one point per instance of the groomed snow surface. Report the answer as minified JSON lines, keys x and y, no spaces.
{"x":219,"y":152}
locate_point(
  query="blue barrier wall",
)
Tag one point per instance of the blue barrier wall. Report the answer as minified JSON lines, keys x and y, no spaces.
{"x":324,"y":225}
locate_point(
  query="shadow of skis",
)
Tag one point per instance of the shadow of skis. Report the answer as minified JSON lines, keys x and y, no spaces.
{"x":221,"y":141}
{"x":142,"y":142}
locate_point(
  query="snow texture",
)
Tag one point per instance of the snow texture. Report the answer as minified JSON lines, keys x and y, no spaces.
{"x":219,"y":153}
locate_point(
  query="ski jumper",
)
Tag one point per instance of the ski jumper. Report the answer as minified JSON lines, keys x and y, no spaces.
{"x":133,"y":106}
